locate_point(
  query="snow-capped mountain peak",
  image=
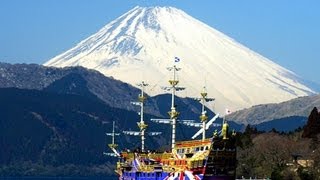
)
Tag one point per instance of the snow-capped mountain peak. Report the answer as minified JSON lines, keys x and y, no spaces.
{"x":141,"y":43}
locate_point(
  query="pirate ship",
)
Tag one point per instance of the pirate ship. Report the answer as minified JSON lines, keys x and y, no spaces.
{"x":207,"y":158}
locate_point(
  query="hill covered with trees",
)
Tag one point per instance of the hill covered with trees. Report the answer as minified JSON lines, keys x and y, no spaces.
{"x":275,"y":155}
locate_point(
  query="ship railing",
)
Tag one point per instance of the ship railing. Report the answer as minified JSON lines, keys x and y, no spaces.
{"x":159,"y":155}
{"x":178,"y":165}
{"x":151,"y":168}
{"x":162,"y":155}
{"x":193,"y":143}
{"x":183,"y":163}
{"x":146,"y":168}
{"x":196,"y":163}
{"x":167,"y":168}
{"x":174,"y":162}
{"x":166,"y":156}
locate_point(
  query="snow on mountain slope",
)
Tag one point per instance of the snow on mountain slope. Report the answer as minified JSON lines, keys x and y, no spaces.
{"x":140,"y":44}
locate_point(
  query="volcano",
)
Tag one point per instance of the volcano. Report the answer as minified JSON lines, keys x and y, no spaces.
{"x":142,"y":43}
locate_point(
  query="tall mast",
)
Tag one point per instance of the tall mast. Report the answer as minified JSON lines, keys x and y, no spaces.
{"x":113,"y":146}
{"x":113,"y":134}
{"x":203,"y":117}
{"x":205,"y":124}
{"x":141,"y":124}
{"x":173,"y":113}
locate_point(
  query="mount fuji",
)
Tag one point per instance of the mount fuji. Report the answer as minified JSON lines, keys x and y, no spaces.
{"x":142,"y":43}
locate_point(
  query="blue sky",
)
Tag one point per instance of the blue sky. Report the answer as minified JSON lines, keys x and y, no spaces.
{"x":285,"y":31}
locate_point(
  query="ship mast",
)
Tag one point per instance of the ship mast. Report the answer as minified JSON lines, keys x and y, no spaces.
{"x":113,"y":134}
{"x":173,"y":113}
{"x":113,"y":146}
{"x":142,"y":125}
{"x":203,"y":117}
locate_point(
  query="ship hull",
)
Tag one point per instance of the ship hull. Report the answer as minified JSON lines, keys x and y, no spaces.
{"x":209,"y":159}
{"x":166,"y":176}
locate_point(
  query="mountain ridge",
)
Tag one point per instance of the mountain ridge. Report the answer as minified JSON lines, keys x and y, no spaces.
{"x":34,"y":76}
{"x":301,"y":106}
{"x":76,"y":80}
{"x":89,"y":83}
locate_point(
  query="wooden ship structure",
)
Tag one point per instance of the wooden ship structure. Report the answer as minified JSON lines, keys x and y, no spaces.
{"x":208,"y":158}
